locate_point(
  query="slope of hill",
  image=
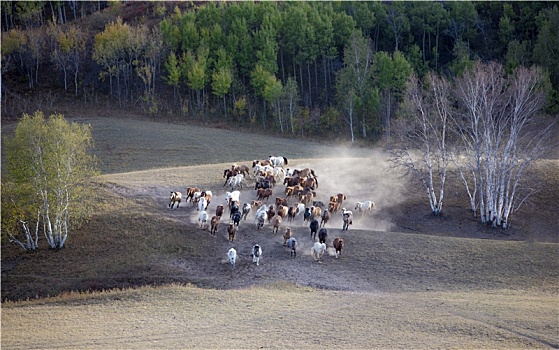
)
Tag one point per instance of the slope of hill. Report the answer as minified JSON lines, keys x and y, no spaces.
{"x":133,"y":239}
{"x":405,"y":278}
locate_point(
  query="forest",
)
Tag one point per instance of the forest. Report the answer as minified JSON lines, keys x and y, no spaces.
{"x":302,"y":68}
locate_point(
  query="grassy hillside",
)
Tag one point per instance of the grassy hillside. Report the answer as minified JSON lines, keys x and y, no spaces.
{"x":405,"y":279}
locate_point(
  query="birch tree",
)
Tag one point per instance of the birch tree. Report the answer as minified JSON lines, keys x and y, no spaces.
{"x":195,"y":69}
{"x":173,"y":76}
{"x":68,"y":52}
{"x":221,"y":83}
{"x":14,"y":227}
{"x":354,"y":82}
{"x":267,"y":86}
{"x":358,"y":57}
{"x":419,"y":144}
{"x":109,"y":51}
{"x":50,"y":167}
{"x":347,"y":98}
{"x":291,"y":98}
{"x":148,"y":61}
{"x":501,"y":134}
{"x":390,"y":74}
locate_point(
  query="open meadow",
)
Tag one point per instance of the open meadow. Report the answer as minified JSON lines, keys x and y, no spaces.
{"x":140,"y":275}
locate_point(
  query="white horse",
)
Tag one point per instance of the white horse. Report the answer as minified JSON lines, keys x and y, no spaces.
{"x":278,"y":161}
{"x":232,"y":255}
{"x":279,"y":173}
{"x":202,"y":204}
{"x":318,"y":250}
{"x":196,"y":197}
{"x":292,"y":244}
{"x":262,"y":169}
{"x":257,"y":169}
{"x":347,"y":216}
{"x":366,"y":206}
{"x":300,"y":210}
{"x":234,"y":196}
{"x":235,"y":181}
{"x":203,"y":219}
{"x":261,"y":216}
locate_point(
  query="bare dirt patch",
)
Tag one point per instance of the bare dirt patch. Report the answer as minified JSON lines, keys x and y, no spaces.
{"x":391,"y":249}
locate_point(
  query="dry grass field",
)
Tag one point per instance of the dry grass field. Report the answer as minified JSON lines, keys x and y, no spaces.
{"x":140,"y":275}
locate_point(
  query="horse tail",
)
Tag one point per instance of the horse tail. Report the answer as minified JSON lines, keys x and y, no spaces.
{"x":285,"y":161}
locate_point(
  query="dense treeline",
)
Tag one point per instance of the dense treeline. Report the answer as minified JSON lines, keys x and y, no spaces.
{"x":296,"y":67}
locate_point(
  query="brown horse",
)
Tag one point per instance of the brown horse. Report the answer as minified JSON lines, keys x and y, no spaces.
{"x":214,"y":223}
{"x":243,"y":169}
{"x":176,"y":197}
{"x":231,"y":230}
{"x":338,"y":244}
{"x":322,"y":235}
{"x":304,"y":172}
{"x":276,"y":222}
{"x":333,"y":207}
{"x":310,"y":182}
{"x":219,"y":210}
{"x":291,"y":181}
{"x":291,"y":212}
{"x":325,"y":217}
{"x":282,"y":210}
{"x":286,"y":235}
{"x":341,"y":198}
{"x":190,"y":193}
{"x":281,"y":201}
{"x":264,"y":193}
{"x":306,"y":199}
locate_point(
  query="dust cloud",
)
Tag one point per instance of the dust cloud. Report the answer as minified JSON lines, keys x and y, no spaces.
{"x":360,"y":179}
{"x":361,"y":176}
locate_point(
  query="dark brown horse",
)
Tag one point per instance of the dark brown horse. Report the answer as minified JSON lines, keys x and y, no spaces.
{"x":338,"y":244}
{"x":325,"y":218}
{"x":214,"y":223}
{"x":322,"y":235}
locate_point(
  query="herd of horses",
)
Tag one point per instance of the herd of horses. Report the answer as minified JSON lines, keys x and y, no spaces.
{"x":301,"y":187}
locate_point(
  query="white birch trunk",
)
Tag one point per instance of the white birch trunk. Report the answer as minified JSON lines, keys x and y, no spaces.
{"x":351,"y":121}
{"x":425,"y":133}
{"x":497,"y":113}
{"x":292,"y":115}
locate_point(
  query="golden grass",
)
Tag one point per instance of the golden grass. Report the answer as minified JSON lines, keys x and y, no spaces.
{"x":283,"y":317}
